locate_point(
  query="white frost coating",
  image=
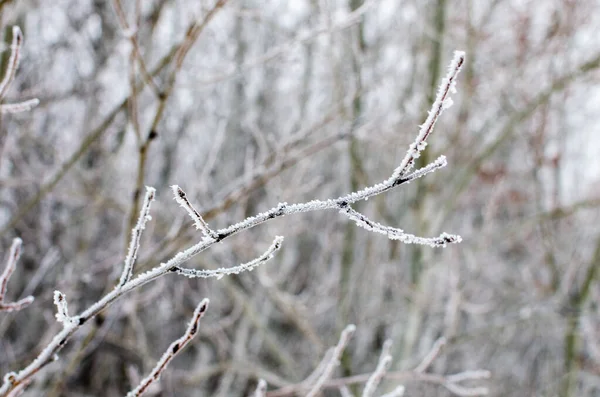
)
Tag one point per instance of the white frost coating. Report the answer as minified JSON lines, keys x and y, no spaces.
{"x":448,"y":103}
{"x":200,"y":223}
{"x":226,"y":271}
{"x":436,"y":110}
{"x":136,"y":235}
{"x":62,"y":310}
{"x":173,"y":349}
{"x":400,"y":176}
{"x":398,"y":234}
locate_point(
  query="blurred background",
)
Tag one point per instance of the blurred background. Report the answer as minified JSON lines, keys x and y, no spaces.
{"x":247,"y":103}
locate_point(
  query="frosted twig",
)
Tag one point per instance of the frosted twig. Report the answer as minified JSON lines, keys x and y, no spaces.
{"x":62,"y":309}
{"x":442,"y":101}
{"x":11,"y":264}
{"x":334,"y":361}
{"x":136,"y":234}
{"x":226,"y":271}
{"x":463,"y":391}
{"x":398,"y":234}
{"x":382,"y":366}
{"x":9,"y":76}
{"x":397,"y":392}
{"x":200,"y":223}
{"x":345,"y":392}
{"x":172,"y":351}
{"x":13,"y":61}
{"x":48,"y":354}
{"x":432,"y":355}
{"x":19,"y":106}
{"x":469,"y":375}
{"x":261,"y":388}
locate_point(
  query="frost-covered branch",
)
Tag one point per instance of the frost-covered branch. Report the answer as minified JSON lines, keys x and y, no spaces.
{"x":398,"y":234}
{"x":400,"y":176}
{"x":385,"y":360}
{"x":200,"y":223}
{"x":11,"y":265}
{"x":172,"y":351}
{"x":227,"y":271}
{"x":451,"y":382}
{"x":442,"y":101}
{"x":9,"y":76}
{"x":334,"y":361}
{"x":13,"y":61}
{"x":136,"y":234}
{"x":261,"y":388}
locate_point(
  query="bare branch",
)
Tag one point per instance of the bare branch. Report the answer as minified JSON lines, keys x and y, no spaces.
{"x":397,"y":392}
{"x":261,"y":388}
{"x":432,"y":355}
{"x":382,"y":366}
{"x":172,"y":351}
{"x":334,"y":361}
{"x":136,"y":234}
{"x":11,"y":264}
{"x":13,"y":61}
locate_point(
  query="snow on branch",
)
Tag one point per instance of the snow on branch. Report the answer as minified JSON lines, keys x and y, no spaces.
{"x":11,"y":265}
{"x":9,"y":76}
{"x":200,"y":223}
{"x":334,"y":361}
{"x":172,"y":350}
{"x":226,"y":271}
{"x":136,"y":235}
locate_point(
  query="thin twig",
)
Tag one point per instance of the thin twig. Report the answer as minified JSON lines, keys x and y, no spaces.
{"x":11,"y":265}
{"x":136,"y":235}
{"x":382,"y":366}
{"x":172,"y":351}
{"x":334,"y":361}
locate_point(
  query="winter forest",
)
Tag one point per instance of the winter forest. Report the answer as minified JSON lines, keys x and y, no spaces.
{"x":299,"y":198}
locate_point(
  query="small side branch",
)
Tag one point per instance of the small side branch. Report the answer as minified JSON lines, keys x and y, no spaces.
{"x":13,"y":61}
{"x":385,"y":360}
{"x":9,"y":76}
{"x":172,"y":351}
{"x":226,"y":271}
{"x":398,"y":234}
{"x":442,"y":101}
{"x":136,"y":235}
{"x":200,"y":223}
{"x":261,"y":388}
{"x":334,"y":361}
{"x":11,"y":265}
{"x":62,"y":309}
